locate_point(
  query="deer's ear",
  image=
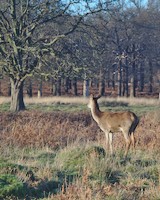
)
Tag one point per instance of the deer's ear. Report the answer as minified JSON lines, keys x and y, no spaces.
{"x":99,"y":96}
{"x":91,"y":96}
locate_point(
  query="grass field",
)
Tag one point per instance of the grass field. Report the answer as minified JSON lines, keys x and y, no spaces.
{"x":55,"y":151}
{"x":71,"y":104}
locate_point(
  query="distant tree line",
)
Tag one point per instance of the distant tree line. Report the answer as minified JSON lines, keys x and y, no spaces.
{"x":108,"y":43}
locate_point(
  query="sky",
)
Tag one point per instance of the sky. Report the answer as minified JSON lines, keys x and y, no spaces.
{"x":81,"y":5}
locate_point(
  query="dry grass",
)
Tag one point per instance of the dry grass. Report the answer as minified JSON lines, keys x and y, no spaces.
{"x":82,"y":189}
{"x":31,"y":139}
{"x":5,"y":100}
{"x":39,"y":129}
{"x":82,"y":100}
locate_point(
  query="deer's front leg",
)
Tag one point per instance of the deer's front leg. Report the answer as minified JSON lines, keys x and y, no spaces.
{"x":109,"y":141}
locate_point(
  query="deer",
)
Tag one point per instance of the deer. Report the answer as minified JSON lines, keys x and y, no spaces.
{"x":112,"y":122}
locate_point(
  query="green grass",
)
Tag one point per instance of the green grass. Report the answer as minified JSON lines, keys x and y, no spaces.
{"x":139,"y":109}
{"x":4,"y":107}
{"x":10,"y":185}
{"x":57,"y":107}
{"x":76,"y":165}
{"x":66,"y":104}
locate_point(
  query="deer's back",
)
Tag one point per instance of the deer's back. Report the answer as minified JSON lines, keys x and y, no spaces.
{"x":116,"y":121}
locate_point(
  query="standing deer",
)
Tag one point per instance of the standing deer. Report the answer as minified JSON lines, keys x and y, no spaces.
{"x":111,"y":122}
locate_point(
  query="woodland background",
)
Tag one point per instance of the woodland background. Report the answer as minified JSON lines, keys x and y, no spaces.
{"x":110,"y":47}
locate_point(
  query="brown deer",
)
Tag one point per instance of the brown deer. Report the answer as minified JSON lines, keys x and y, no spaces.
{"x":111,"y":122}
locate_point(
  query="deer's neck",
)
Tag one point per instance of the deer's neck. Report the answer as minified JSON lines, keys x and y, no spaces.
{"x":96,"y":113}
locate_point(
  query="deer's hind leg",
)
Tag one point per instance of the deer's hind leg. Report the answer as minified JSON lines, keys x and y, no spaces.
{"x":127,"y":137}
{"x":128,"y":143}
{"x":133,"y":141}
{"x":111,"y":142}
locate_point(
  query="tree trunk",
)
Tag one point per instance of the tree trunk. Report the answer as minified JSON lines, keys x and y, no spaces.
{"x":53,"y":87}
{"x":113,"y":81}
{"x":17,"y":102}
{"x":75,"y":86}
{"x":9,"y":89}
{"x":120,"y":79}
{"x":141,"y":77}
{"x":29,"y":89}
{"x":133,"y":76}
{"x":40,"y":88}
{"x":86,"y":88}
{"x":132,"y":87}
{"x":150,"y":77}
{"x":66,"y":85}
{"x":108,"y":79}
{"x":101,"y":83}
{"x":126,"y":93}
{"x":59,"y":87}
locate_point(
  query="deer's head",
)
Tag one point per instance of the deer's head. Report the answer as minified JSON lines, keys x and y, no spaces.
{"x":93,"y":101}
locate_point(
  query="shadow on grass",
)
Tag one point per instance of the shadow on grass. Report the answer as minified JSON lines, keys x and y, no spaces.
{"x":43,"y":189}
{"x":19,"y":181}
{"x":47,"y":187}
{"x":64,"y":179}
{"x":145,"y":163}
{"x":115,"y":104}
{"x":114,"y":177}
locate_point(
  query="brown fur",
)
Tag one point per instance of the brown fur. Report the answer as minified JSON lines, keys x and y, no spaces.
{"x":111,"y":122}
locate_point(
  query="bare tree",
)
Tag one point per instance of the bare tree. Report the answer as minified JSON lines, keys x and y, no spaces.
{"x":23,"y":41}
